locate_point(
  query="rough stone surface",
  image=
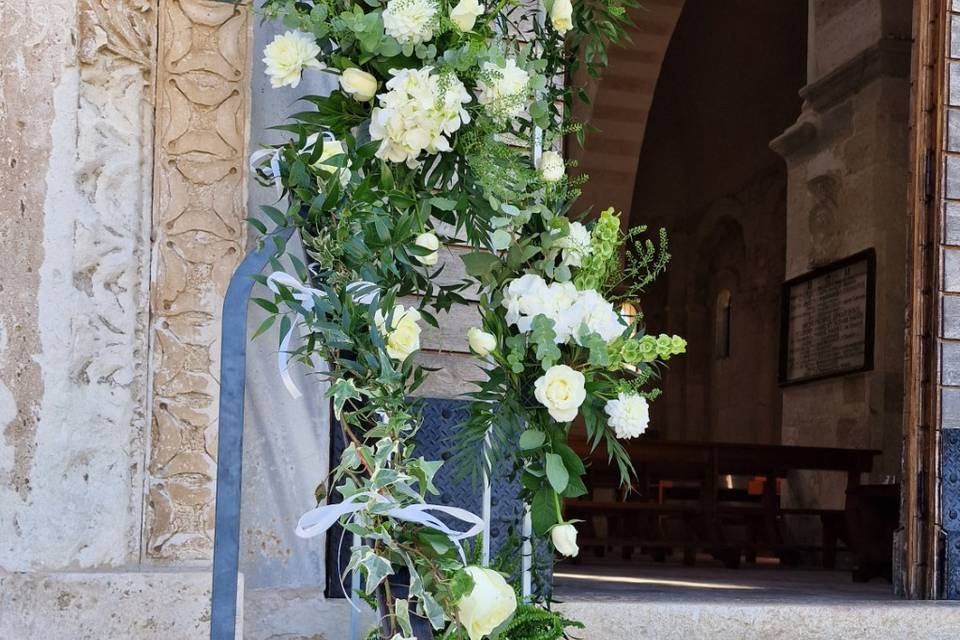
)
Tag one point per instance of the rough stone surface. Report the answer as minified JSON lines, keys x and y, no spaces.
{"x":299,"y":614}
{"x":105,"y":606}
{"x":78,"y":131}
{"x":198,"y":240}
{"x":731,"y":620}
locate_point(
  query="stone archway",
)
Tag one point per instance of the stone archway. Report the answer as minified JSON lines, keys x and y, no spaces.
{"x":620,"y":104}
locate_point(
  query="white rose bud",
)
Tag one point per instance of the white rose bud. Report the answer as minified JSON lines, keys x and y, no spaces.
{"x":561,"y":391}
{"x":561,"y":16}
{"x":551,"y":166}
{"x":465,"y":14}
{"x":403,"y":337}
{"x":489,"y":604}
{"x":288,"y":55}
{"x":564,"y":537}
{"x":359,"y":84}
{"x":430,"y":242}
{"x":481,"y":342}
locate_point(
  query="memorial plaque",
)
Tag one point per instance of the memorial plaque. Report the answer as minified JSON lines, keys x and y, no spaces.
{"x":827,"y":320}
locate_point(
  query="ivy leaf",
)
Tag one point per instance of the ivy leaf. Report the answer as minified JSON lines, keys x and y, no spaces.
{"x":341,"y":391}
{"x":433,"y":610}
{"x":557,"y":473}
{"x":376,"y":569}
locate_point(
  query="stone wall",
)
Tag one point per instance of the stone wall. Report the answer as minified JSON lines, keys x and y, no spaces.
{"x":707,"y":175}
{"x":109,"y":303}
{"x":847,"y":159}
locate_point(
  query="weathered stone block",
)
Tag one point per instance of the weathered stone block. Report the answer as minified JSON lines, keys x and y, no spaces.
{"x":82,"y":606}
{"x":950,"y":354}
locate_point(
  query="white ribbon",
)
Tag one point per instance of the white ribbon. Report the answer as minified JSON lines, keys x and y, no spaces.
{"x":362,"y":291}
{"x":256,"y":159}
{"x":316,"y":521}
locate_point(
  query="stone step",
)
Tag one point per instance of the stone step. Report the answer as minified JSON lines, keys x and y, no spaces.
{"x":737,"y":619}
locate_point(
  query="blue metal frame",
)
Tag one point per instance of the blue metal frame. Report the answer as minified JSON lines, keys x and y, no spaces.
{"x":950,"y":508}
{"x":233,"y":367}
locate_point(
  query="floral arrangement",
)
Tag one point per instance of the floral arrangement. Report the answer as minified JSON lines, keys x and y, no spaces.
{"x":434,"y":136}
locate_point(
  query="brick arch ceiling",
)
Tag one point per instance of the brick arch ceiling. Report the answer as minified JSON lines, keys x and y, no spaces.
{"x":620,"y":106}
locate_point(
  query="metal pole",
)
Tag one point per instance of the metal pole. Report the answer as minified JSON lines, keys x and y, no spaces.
{"x":233,"y":367}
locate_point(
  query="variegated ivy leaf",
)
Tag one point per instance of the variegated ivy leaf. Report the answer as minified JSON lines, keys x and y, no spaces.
{"x":402,"y":609}
{"x":374,"y":567}
{"x":433,"y":610}
{"x":424,"y":471}
{"x":350,"y":459}
{"x":341,"y":391}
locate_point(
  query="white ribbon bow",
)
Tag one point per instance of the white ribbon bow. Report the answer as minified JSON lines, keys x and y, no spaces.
{"x":362,"y":291}
{"x":316,"y":521}
{"x":256,"y":159}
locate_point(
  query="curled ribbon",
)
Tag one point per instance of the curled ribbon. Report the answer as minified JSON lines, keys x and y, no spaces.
{"x":256,"y":159}
{"x":362,"y":291}
{"x":318,"y":520}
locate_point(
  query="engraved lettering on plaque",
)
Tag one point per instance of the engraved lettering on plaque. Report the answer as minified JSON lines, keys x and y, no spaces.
{"x":828,"y":321}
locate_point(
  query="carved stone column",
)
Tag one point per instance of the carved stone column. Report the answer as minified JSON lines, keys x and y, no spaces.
{"x":198,"y":240}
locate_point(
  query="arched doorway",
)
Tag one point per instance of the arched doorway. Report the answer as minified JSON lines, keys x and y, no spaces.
{"x":758,"y":157}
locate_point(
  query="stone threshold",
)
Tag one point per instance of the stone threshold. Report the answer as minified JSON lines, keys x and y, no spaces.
{"x":161,"y":604}
{"x":658,"y":618}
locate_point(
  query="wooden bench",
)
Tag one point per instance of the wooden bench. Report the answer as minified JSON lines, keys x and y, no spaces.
{"x":705,"y":509}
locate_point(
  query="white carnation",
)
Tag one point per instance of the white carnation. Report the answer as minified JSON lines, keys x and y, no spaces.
{"x":410,"y":21}
{"x":503,"y":90}
{"x":575,"y":245}
{"x":288,"y":55}
{"x":418,"y":111}
{"x":551,"y":166}
{"x":629,"y":415}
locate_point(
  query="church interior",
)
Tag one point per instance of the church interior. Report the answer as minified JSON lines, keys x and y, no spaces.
{"x":771,"y":141}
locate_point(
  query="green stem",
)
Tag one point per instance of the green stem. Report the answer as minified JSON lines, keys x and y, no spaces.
{"x":556,"y":503}
{"x":493,"y":14}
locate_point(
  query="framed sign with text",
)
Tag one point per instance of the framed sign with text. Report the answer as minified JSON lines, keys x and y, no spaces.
{"x":827,"y":319}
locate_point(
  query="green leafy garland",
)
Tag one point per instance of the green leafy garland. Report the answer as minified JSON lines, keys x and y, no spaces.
{"x":429,"y":141}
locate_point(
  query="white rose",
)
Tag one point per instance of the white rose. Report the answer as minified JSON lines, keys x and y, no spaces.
{"x":481,"y":342}
{"x":288,"y":55}
{"x":465,"y":14}
{"x":564,"y":537}
{"x":489,"y":604}
{"x":629,"y":414}
{"x":551,"y":166}
{"x":575,"y":246}
{"x":431,"y":243}
{"x":403,"y":337}
{"x":359,"y":84}
{"x":561,"y":16}
{"x":561,"y":391}
{"x":332,"y":148}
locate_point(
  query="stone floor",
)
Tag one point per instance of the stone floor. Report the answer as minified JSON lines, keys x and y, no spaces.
{"x":621,"y":600}
{"x":672,"y":580}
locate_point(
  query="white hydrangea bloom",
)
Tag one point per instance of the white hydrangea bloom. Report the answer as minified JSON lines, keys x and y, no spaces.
{"x":503,"y":90}
{"x":416,"y":114}
{"x":410,"y":21}
{"x":629,"y":415}
{"x":288,"y":55}
{"x":594,"y":311}
{"x":524,"y":299}
{"x":575,"y":246}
